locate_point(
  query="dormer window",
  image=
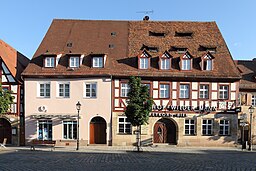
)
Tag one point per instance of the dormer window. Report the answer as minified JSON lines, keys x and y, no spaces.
{"x":74,"y":62}
{"x":209,"y":48}
{"x":97,"y":62}
{"x":207,"y":62}
{"x":179,"y":49}
{"x":165,"y":61}
{"x":186,"y":62}
{"x":184,"y":34}
{"x":49,"y":62}
{"x":144,"y":60}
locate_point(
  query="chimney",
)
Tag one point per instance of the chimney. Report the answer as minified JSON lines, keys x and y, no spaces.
{"x":146,"y":18}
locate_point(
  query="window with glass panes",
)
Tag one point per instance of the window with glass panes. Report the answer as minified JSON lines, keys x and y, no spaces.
{"x":90,"y":90}
{"x":184,"y":91}
{"x":49,"y":62}
{"x":74,"y":62}
{"x":124,"y":126}
{"x":64,"y":90}
{"x":189,"y":127}
{"x":165,"y":63}
{"x":144,"y":63}
{"x":223,"y":92}
{"x":207,"y":127}
{"x":69,"y":129}
{"x":44,"y":89}
{"x":208,"y":66}
{"x":164,"y":90}
{"x":224,"y":127}
{"x":254,"y":100}
{"x":97,"y":62}
{"x":148,"y":86}
{"x":186,"y":64}
{"x":44,"y":130}
{"x":204,"y":92}
{"x":124,"y":89}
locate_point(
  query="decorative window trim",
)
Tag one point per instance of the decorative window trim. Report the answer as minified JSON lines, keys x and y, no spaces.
{"x":124,"y":123}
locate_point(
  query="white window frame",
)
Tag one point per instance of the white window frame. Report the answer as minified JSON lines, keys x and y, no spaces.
{"x":91,"y":95}
{"x":144,"y":63}
{"x":164,"y":91}
{"x":64,"y":89}
{"x":224,"y":127}
{"x":165,"y":63}
{"x":186,"y":64}
{"x":48,"y":123}
{"x":223,"y":92}
{"x":44,"y":90}
{"x":74,"y":62}
{"x":191,"y":123}
{"x":49,"y":62}
{"x":124,"y":123}
{"x":204,"y":91}
{"x":97,"y":62}
{"x":208,"y":127}
{"x":253,"y":100}
{"x":208,"y":65}
{"x":184,"y":91}
{"x":73,"y":124}
{"x":124,"y":89}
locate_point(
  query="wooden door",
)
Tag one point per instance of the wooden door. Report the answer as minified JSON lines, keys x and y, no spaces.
{"x":5,"y":131}
{"x":160,"y":133}
{"x":92,"y":133}
{"x":98,"y":133}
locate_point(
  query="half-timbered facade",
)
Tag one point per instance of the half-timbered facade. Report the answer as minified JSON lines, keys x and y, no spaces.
{"x":12,"y":63}
{"x":182,"y":63}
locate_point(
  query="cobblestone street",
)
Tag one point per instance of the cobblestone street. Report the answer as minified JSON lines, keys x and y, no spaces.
{"x":123,"y":158}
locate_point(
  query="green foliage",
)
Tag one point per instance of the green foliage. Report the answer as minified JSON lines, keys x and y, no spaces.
{"x":139,"y":102}
{"x":6,"y":100}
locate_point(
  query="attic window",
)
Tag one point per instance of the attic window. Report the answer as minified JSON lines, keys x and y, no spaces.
{"x":150,"y":48}
{"x":178,"y":49}
{"x":156,"y":34}
{"x":184,"y":34}
{"x":211,"y":49}
{"x":111,"y":46}
{"x":69,"y":44}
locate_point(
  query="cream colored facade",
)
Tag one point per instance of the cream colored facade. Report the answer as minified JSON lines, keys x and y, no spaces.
{"x":59,"y":109}
{"x":181,"y":139}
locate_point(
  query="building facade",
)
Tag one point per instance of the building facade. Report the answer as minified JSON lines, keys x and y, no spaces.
{"x":12,"y":63}
{"x":247,"y":98}
{"x":194,"y":94}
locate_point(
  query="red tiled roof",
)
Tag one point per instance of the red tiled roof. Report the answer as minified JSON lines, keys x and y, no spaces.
{"x":94,"y":37}
{"x":15,"y":61}
{"x":248,"y":71}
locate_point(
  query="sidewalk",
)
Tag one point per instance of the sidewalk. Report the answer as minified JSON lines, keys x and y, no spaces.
{"x":125,"y":149}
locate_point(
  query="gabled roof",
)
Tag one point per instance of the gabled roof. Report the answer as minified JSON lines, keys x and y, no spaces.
{"x":14,"y":60}
{"x":247,"y":69}
{"x":95,"y":36}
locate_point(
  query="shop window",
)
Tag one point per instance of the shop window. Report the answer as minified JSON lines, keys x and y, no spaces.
{"x":44,"y":130}
{"x":224,"y":127}
{"x":69,"y":129}
{"x":189,"y":127}
{"x":124,"y":127}
{"x":207,"y":127}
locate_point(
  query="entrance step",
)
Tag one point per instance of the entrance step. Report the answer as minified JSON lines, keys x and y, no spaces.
{"x":164,"y":144}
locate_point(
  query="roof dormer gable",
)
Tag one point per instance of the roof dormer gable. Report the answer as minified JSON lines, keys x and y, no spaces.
{"x":165,"y":61}
{"x":98,"y":60}
{"x":186,"y":55}
{"x":166,"y":55}
{"x":207,"y":62}
{"x":49,"y":60}
{"x":186,"y":61}
{"x":144,"y":60}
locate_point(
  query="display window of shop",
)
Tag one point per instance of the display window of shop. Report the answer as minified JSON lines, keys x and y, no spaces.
{"x":124,"y":127}
{"x":190,"y":127}
{"x":44,"y":130}
{"x":70,"y":130}
{"x":224,"y":127}
{"x":207,"y":127}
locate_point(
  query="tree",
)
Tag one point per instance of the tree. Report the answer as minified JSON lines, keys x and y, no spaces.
{"x":139,"y":105}
{"x":6,"y":99}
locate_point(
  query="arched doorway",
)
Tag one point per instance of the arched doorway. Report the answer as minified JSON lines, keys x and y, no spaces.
{"x":5,"y":131}
{"x":98,"y":132}
{"x":165,"y":131}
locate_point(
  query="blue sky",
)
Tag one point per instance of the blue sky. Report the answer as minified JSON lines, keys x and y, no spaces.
{"x":24,"y":23}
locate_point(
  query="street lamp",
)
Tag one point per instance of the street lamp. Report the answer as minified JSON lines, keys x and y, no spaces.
{"x":78,"y":107}
{"x":251,"y":110}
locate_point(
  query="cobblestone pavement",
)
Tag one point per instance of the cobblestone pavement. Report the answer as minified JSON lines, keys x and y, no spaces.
{"x":123,"y":158}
